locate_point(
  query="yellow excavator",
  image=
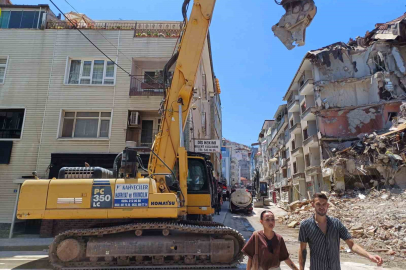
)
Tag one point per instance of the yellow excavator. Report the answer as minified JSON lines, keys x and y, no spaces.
{"x":120,"y":219}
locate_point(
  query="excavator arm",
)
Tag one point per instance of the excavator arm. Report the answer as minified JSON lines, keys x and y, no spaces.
{"x":291,"y":28}
{"x":179,"y":94}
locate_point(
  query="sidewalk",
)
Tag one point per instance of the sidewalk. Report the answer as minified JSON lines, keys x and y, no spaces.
{"x":223,"y":213}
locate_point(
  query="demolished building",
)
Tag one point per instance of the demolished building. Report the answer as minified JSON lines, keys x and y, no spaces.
{"x":341,"y":103}
{"x":358,"y":89}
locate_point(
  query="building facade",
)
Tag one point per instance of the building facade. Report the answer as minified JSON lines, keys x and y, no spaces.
{"x":240,"y":163}
{"x":63,"y":103}
{"x":339,"y":94}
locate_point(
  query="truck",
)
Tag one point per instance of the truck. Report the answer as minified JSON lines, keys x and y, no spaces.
{"x":241,"y":201}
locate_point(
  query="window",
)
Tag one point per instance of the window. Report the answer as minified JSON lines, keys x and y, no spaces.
{"x":197,"y":177}
{"x":21,"y":19}
{"x":3,"y":67}
{"x":294,"y":168}
{"x":85,"y":124}
{"x":159,"y":125}
{"x":204,"y":124}
{"x":152,"y":76}
{"x":204,"y":86}
{"x":283,"y":154}
{"x":391,"y":115}
{"x":157,"y":76}
{"x":147,"y":133}
{"x":284,"y":173}
{"x":379,"y":62}
{"x":303,"y":107}
{"x":293,"y":145}
{"x":11,"y":123}
{"x":302,"y":80}
{"x":305,"y":134}
{"x":307,"y":159}
{"x":100,"y":72}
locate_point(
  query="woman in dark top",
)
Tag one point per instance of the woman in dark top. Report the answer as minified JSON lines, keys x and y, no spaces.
{"x":271,"y":246}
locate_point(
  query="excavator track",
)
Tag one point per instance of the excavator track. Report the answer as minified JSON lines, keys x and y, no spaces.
{"x":82,"y":237}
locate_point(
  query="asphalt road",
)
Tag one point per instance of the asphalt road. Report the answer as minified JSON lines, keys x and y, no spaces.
{"x":243,"y":223}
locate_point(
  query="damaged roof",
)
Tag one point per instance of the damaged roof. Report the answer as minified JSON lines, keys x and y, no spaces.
{"x":392,"y":30}
{"x":384,"y":26}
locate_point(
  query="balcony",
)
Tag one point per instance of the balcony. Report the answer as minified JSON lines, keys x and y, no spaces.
{"x":308,"y":114}
{"x":307,"y":88}
{"x":293,"y":105}
{"x":313,"y":170}
{"x":142,"y":137}
{"x":297,"y":152}
{"x":312,"y":141}
{"x":278,"y":184}
{"x":150,"y":87}
{"x":297,"y":177}
{"x":284,"y":182}
{"x":296,"y":128}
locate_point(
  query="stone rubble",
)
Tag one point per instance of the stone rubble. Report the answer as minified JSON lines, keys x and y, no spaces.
{"x":380,"y":155}
{"x":376,"y":219}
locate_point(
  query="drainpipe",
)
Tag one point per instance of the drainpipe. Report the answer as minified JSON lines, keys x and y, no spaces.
{"x":39,"y":16}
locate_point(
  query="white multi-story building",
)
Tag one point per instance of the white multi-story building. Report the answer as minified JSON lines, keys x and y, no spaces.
{"x":240,"y":162}
{"x":63,"y":103}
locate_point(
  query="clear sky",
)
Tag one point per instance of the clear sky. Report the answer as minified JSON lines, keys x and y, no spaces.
{"x":253,"y":66}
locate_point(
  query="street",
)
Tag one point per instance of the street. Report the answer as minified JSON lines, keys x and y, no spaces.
{"x":243,"y":223}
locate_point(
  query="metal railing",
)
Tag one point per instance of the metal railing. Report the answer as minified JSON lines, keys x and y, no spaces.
{"x":297,"y":150}
{"x":10,"y":133}
{"x":91,"y":25}
{"x":310,"y":138}
{"x":143,"y":137}
{"x":307,"y":111}
{"x":146,"y":87}
{"x":164,"y":29}
{"x":141,"y":29}
{"x":292,"y":101}
{"x":295,"y":126}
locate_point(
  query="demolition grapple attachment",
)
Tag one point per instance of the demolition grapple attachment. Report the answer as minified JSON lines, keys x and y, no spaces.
{"x":292,"y":26}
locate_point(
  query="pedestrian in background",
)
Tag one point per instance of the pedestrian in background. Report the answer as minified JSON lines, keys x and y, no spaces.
{"x":266,"y":249}
{"x":219,"y":199}
{"x":323,"y":233}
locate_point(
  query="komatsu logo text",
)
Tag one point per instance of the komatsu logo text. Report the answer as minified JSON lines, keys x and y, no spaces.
{"x":163,"y":203}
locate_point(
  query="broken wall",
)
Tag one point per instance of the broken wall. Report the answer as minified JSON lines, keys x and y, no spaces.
{"x":400,"y":178}
{"x":352,"y":122}
{"x":354,"y":76}
{"x":344,"y":94}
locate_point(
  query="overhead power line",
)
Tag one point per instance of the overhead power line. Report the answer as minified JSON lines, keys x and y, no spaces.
{"x":129,"y":59}
{"x":129,"y":74}
{"x":102,"y":34}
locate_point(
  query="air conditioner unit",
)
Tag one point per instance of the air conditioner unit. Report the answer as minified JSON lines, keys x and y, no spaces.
{"x":134,"y":119}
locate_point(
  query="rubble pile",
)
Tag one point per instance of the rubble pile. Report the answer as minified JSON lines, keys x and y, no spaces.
{"x":376,"y":219}
{"x":381,"y":155}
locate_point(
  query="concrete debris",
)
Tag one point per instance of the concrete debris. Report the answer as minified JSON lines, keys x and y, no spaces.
{"x":373,"y":160}
{"x":377,"y":222}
